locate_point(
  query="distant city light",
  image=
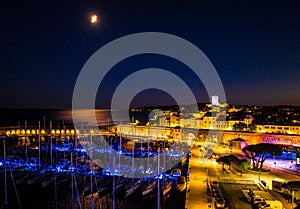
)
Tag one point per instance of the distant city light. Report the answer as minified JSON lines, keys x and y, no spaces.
{"x":215,"y":100}
{"x":94,"y":19}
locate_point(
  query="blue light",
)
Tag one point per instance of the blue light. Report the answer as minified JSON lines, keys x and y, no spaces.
{"x":58,"y":169}
{"x":161,"y":176}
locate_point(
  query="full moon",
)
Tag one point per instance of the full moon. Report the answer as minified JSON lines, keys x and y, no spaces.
{"x":94,"y":19}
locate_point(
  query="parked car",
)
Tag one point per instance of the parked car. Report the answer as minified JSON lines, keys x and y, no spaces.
{"x":220,"y":201}
{"x":220,"y":204}
{"x":181,"y":183}
{"x":262,"y":205}
{"x":214,"y":184}
{"x":216,"y":192}
{"x":257,"y":199}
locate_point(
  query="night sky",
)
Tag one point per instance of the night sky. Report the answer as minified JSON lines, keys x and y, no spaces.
{"x":254,"y":46}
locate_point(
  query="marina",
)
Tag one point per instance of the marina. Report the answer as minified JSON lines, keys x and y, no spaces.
{"x":56,"y":171}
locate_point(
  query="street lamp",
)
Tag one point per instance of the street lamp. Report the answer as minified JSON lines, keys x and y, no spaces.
{"x":259,"y":171}
{"x":207,"y":174}
{"x":291,"y":166}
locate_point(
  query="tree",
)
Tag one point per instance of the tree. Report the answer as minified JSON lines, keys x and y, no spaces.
{"x":240,"y":163}
{"x":244,"y":163}
{"x":251,"y":151}
{"x":228,"y":160}
{"x":239,"y":126}
{"x":251,"y":127}
{"x":232,"y":159}
{"x":260,"y":152}
{"x":224,"y":160}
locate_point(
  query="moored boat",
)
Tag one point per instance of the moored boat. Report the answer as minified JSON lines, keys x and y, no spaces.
{"x":166,"y":186}
{"x":148,"y":186}
{"x":38,"y":179}
{"x":181,"y":183}
{"x":132,"y":187}
{"x":26,"y":177}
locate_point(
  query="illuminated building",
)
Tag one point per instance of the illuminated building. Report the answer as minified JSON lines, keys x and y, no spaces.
{"x":280,"y":129}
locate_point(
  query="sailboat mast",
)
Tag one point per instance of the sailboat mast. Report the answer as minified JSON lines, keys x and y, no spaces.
{"x":51,"y":143}
{"x":91,"y":174}
{"x":76,"y":145}
{"x":120,"y":137}
{"x":72,"y":183}
{"x":158,"y":174}
{"x":120,"y":149}
{"x":132,"y":140}
{"x":148,"y":148}
{"x":39,"y":145}
{"x":5,"y":177}
{"x":44,"y":120}
{"x":26,"y":153}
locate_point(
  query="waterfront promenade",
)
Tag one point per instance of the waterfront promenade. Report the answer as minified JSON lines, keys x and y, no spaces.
{"x":196,"y":196}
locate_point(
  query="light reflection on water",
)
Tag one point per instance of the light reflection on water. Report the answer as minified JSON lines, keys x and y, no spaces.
{"x":86,"y":116}
{"x":102,"y":114}
{"x":31,"y":117}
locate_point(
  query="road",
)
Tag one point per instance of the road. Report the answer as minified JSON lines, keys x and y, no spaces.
{"x":235,"y":195}
{"x":203,"y":169}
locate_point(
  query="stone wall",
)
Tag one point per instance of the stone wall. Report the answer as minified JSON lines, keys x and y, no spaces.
{"x":255,"y":138}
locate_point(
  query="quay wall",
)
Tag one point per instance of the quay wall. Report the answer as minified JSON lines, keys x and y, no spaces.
{"x":251,"y":137}
{"x":255,"y":138}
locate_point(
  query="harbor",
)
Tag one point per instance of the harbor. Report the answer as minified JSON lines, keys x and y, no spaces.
{"x":51,"y":169}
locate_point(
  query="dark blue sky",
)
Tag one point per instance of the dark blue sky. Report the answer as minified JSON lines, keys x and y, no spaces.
{"x":254,"y":46}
